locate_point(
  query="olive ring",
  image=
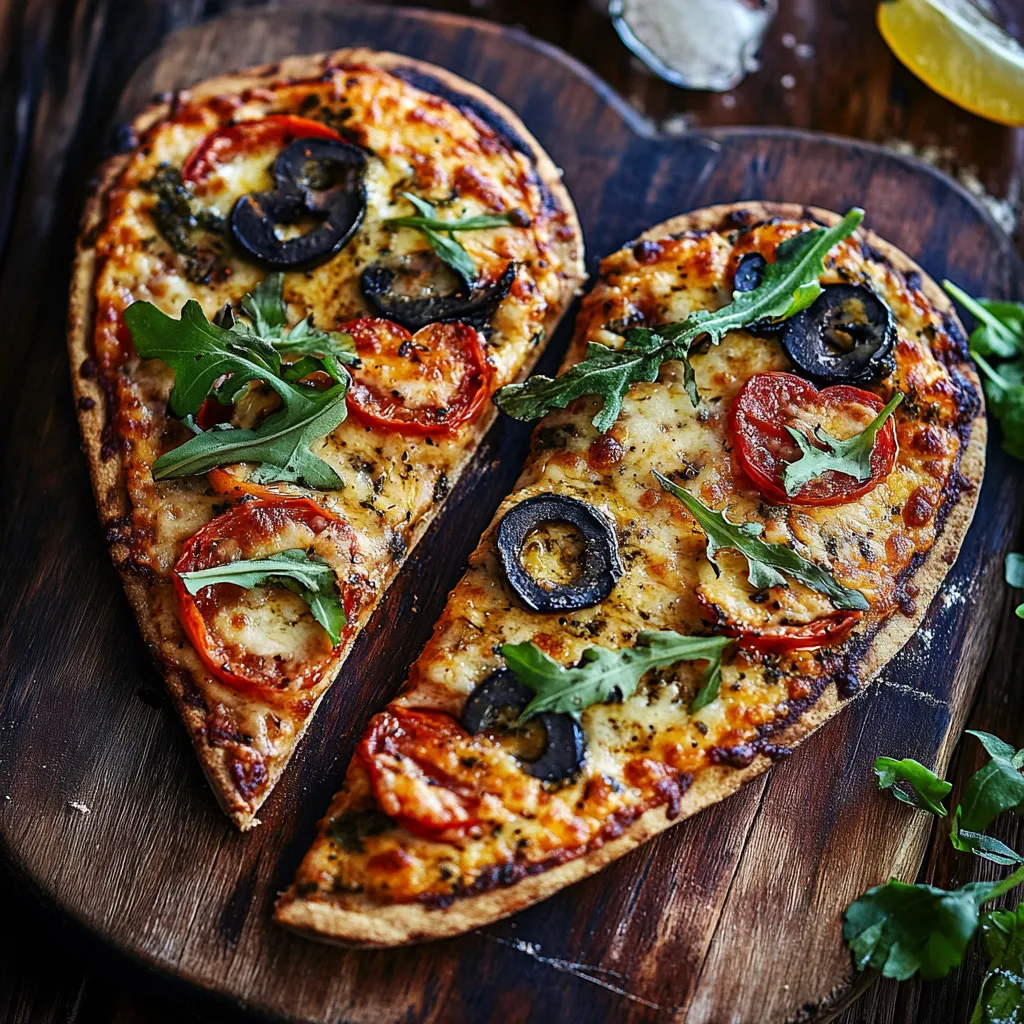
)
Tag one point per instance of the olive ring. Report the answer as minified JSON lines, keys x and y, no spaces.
{"x":601,"y":567}
{"x":564,"y":745}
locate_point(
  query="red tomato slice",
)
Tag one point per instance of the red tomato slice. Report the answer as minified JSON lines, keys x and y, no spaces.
{"x":769,"y":402}
{"x":256,"y":529}
{"x":428,"y":383}
{"x":224,"y":144}
{"x":829,"y":629}
{"x":405,"y":753}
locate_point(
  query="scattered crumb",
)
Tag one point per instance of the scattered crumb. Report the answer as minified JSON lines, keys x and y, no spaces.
{"x":1004,"y":211}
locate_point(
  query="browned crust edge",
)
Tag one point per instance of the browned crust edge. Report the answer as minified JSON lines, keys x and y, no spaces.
{"x":108,"y":476}
{"x":357,"y":921}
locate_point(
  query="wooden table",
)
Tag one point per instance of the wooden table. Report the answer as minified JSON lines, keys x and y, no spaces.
{"x":63,"y":64}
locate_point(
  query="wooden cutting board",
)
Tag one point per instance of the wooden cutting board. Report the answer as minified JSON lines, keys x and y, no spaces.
{"x":734,"y":915}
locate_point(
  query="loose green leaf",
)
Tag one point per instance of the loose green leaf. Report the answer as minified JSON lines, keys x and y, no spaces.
{"x":997,"y":346}
{"x":1014,"y":569}
{"x":927,"y":790}
{"x":768,"y":564}
{"x":1001,"y":999}
{"x":201,"y":353}
{"x":787,"y":286}
{"x":602,"y":674}
{"x":851,"y":456}
{"x":902,"y":929}
{"x":981,"y":845}
{"x":996,"y":787}
{"x":313,"y":580}
{"x":439,"y":233}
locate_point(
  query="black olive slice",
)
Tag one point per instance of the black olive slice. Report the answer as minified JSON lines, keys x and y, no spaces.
{"x":473,"y":306}
{"x":748,"y":272}
{"x":846,"y":336}
{"x":498,"y":701}
{"x":318,"y":178}
{"x":600,"y":569}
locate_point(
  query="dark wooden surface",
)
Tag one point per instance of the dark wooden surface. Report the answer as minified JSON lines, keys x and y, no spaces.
{"x":752,"y":865}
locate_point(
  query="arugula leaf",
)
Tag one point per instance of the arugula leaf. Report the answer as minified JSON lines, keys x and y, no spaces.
{"x":997,"y":787}
{"x":602,"y":674}
{"x":999,"y":335}
{"x":1014,"y":570}
{"x":313,"y":580}
{"x":768,"y":564}
{"x":266,"y":308}
{"x":1001,"y":999}
{"x":787,"y":286}
{"x":439,"y":233}
{"x":604,"y":371}
{"x":927,"y":789}
{"x":901,"y":929}
{"x":201,"y":353}
{"x":851,"y":457}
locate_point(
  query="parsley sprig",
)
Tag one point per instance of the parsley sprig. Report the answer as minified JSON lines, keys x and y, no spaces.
{"x":851,"y":457}
{"x":309,"y":577}
{"x":440,"y":233}
{"x":768,"y":564}
{"x":787,"y":286}
{"x":603,"y":674}
{"x":997,"y":346}
{"x":208,"y":359}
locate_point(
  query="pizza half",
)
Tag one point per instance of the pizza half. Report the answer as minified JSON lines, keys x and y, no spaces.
{"x":756,"y":467}
{"x":295,"y":292}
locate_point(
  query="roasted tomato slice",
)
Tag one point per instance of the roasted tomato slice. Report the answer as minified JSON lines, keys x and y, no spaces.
{"x":430,"y":382}
{"x":415,"y":760}
{"x":770,"y":402}
{"x":781,"y":619}
{"x":265,"y":638}
{"x":247,"y":137}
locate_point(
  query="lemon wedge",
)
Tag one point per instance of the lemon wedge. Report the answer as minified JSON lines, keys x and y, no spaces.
{"x":957,"y":51}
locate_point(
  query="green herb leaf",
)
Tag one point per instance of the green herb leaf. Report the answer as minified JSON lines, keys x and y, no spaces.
{"x":787,"y":286}
{"x":986,"y":847}
{"x":902,"y":929}
{"x":851,"y":456}
{"x":602,"y":674}
{"x":1014,"y":569}
{"x":999,"y":335}
{"x":201,"y":353}
{"x":439,"y":233}
{"x":1001,"y":999}
{"x":266,"y":308}
{"x":926,"y":788}
{"x":280,"y":444}
{"x":605,"y":372}
{"x":768,"y":564}
{"x":997,"y":787}
{"x":313,"y":580}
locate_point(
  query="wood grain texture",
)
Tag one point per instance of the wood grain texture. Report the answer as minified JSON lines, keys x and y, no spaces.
{"x":665,"y":933}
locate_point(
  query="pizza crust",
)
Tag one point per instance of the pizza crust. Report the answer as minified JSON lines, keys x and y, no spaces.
{"x":354,"y":920}
{"x":107,"y":474}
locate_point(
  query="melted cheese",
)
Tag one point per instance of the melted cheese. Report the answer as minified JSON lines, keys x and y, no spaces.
{"x":643,"y":750}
